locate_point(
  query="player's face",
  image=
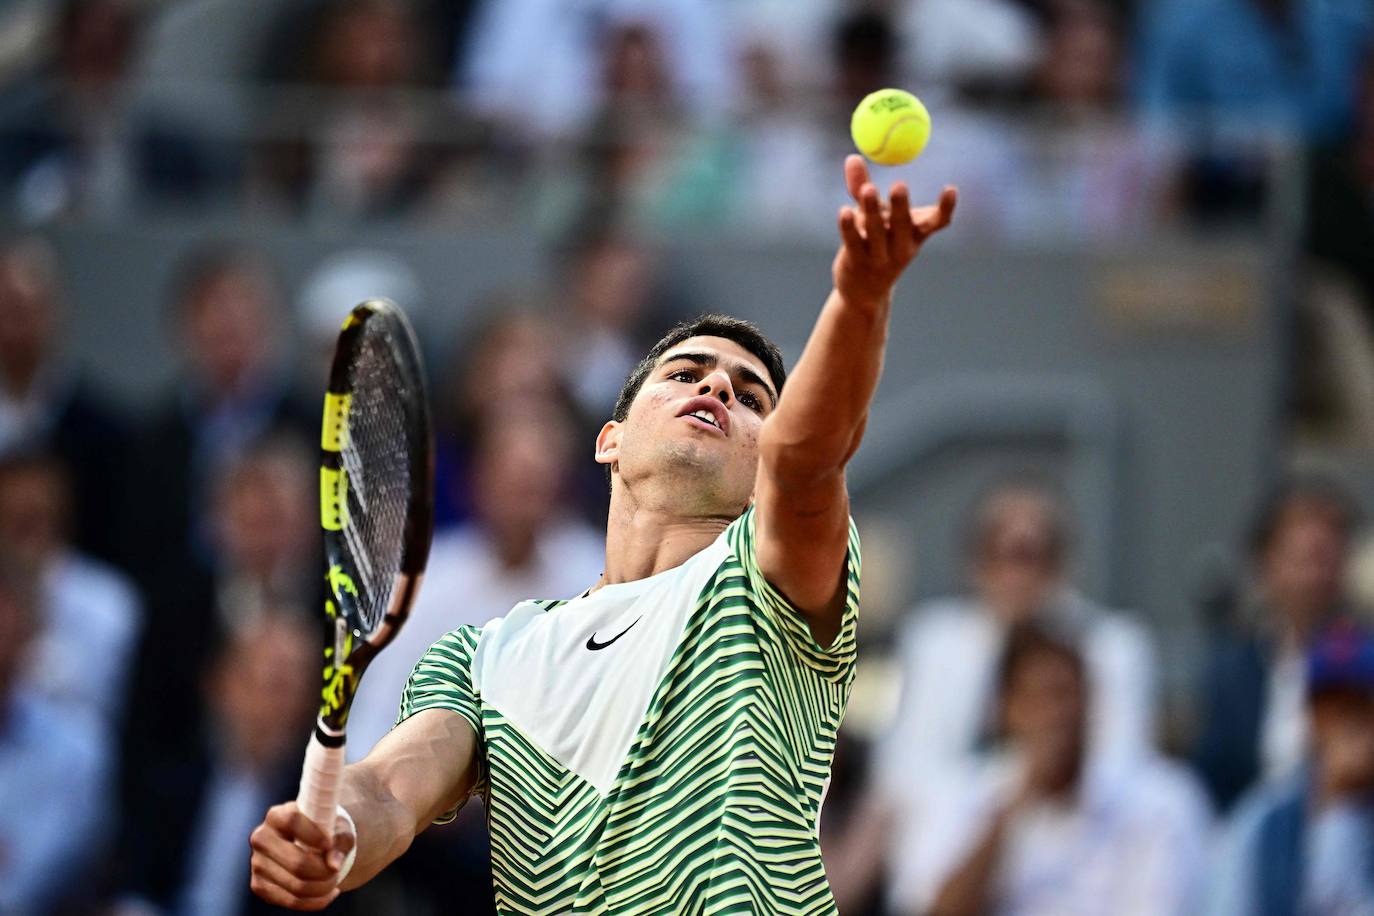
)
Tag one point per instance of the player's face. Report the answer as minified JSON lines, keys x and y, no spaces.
{"x":697,"y":420}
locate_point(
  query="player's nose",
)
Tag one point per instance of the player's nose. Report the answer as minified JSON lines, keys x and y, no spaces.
{"x":718,"y":385}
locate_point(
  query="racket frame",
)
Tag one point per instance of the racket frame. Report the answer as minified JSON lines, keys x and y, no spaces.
{"x":351,"y":646}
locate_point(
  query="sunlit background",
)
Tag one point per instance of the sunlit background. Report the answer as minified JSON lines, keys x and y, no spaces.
{"x":1128,"y":396}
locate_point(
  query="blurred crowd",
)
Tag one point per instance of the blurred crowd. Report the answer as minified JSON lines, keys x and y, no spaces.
{"x":160,"y":576}
{"x":1060,"y":117}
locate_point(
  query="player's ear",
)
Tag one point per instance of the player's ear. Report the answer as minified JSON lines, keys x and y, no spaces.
{"x":608,"y":443}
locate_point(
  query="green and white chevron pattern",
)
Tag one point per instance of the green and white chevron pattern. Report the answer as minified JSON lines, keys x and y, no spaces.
{"x":715,"y":807}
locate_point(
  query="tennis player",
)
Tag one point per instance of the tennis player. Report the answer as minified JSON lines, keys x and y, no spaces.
{"x":662,"y":742}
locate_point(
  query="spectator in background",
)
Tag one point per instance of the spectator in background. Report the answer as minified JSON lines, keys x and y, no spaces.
{"x":53,"y":795}
{"x":1019,"y":553}
{"x":1079,"y":171}
{"x":1038,"y":828}
{"x":539,"y":66}
{"x":71,"y":141}
{"x":640,"y":161}
{"x":88,"y":616}
{"x":226,"y":314}
{"x":509,"y":357}
{"x":1288,"y":64}
{"x":185,"y":845}
{"x":46,"y":404}
{"x":354,"y":143}
{"x":1306,"y":844}
{"x":616,"y":300}
{"x":1232,"y":75}
{"x":225,"y":310}
{"x":973,"y":47}
{"x":263,"y":525}
{"x":1254,"y":724}
{"x":266,"y":518}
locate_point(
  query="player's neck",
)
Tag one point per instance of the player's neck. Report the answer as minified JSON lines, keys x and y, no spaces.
{"x":642,"y":541}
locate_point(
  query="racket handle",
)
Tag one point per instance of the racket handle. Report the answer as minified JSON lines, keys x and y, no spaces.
{"x":321,"y":783}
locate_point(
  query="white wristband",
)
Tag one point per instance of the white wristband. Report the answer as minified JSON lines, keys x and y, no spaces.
{"x":352,"y":853}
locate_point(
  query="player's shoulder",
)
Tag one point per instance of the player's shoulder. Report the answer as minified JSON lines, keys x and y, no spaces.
{"x":741,"y":534}
{"x":457,"y":645}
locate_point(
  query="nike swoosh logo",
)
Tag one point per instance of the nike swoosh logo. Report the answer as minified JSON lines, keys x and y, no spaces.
{"x":594,"y":645}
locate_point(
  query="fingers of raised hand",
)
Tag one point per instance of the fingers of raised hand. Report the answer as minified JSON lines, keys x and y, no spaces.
{"x":902,"y":230}
{"x":849,"y":231}
{"x":855,"y":175}
{"x":930,"y":220}
{"x":874,"y":223}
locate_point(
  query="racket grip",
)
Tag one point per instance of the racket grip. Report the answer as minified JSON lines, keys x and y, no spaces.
{"x":321,"y":783}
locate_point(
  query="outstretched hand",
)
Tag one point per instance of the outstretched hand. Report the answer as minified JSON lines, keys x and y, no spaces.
{"x":879,"y":239}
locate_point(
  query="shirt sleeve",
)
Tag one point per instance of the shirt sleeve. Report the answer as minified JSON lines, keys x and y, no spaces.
{"x":442,"y":679}
{"x":834,"y":662}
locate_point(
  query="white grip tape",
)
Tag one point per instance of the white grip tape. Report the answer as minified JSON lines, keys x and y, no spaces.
{"x":321,"y":783}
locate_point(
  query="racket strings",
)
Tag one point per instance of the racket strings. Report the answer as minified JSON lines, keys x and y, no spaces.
{"x":376,"y":459}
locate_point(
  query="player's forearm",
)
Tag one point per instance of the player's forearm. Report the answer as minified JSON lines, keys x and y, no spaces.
{"x":422,"y":768}
{"x":386,"y":827}
{"x":821,"y":415}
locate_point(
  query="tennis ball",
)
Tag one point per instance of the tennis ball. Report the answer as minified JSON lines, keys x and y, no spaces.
{"x":890,"y":126}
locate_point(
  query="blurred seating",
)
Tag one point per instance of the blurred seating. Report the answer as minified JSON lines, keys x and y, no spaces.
{"x":72,"y":139}
{"x":544,"y":68}
{"x":1266,"y":63}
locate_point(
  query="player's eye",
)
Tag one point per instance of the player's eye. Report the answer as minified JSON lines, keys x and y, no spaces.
{"x":683,"y":375}
{"x":751,"y":400}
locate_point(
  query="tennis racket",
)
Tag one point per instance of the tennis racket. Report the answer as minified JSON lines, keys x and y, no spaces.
{"x":377,"y":513}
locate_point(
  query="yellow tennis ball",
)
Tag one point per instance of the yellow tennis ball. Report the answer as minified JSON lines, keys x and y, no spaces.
{"x":890,"y":126}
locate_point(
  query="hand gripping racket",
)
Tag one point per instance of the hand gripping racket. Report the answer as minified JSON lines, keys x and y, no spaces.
{"x":377,"y":512}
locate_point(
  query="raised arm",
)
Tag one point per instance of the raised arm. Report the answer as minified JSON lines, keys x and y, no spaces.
{"x":424,"y":767}
{"x":803,"y":508}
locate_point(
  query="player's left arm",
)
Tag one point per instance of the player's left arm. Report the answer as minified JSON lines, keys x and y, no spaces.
{"x":802,"y":506}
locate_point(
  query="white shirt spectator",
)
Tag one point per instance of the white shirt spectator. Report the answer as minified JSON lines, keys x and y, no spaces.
{"x":951,"y":41}
{"x":54,"y":801}
{"x":537,"y":63}
{"x":1284,"y":735}
{"x":465,"y":583}
{"x":89,"y":621}
{"x":949,"y":651}
{"x":1133,"y":842}
{"x":233,"y":806}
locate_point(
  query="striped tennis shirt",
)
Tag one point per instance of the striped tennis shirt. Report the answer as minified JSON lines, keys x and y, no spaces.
{"x":657,"y":746}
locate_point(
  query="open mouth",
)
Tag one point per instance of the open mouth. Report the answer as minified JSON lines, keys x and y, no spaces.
{"x":707,"y":412}
{"x":705,"y":416}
